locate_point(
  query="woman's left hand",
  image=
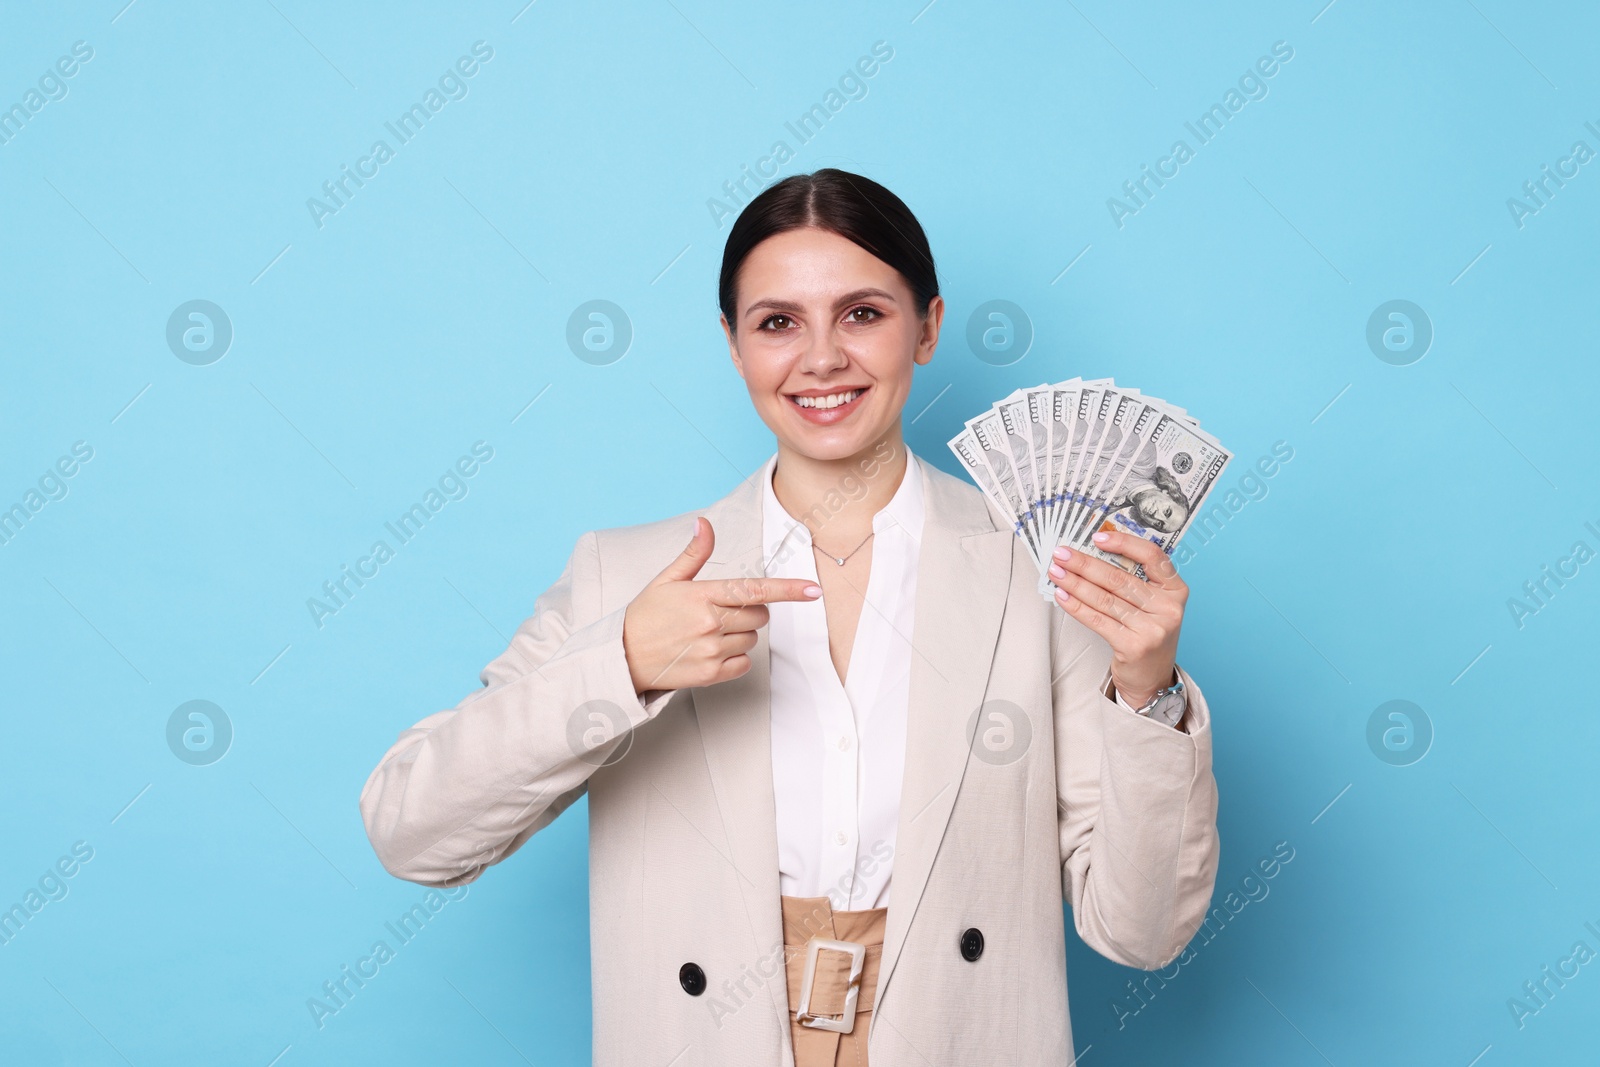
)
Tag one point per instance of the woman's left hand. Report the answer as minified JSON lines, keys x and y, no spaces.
{"x":1139,"y":619}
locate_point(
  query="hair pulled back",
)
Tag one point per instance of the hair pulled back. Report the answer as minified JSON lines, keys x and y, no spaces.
{"x":856,"y":208}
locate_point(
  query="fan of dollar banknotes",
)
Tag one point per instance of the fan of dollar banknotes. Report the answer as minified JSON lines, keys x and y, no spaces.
{"x":1061,"y":462}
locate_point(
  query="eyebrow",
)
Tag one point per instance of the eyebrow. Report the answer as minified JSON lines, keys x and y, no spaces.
{"x":790,"y":307}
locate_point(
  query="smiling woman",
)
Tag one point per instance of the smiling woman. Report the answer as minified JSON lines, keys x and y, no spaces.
{"x":826,"y":726}
{"x":818,"y":352}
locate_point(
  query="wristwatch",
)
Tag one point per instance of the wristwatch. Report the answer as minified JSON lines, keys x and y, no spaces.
{"x":1167,"y":706}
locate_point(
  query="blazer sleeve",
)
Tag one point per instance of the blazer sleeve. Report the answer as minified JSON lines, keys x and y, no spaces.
{"x":1137,"y":807}
{"x":464,"y":788}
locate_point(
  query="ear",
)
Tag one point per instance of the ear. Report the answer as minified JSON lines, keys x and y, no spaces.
{"x":733,"y":349}
{"x":930,"y":331}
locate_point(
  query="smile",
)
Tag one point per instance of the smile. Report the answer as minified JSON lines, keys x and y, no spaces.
{"x":829,"y":409}
{"x":833,"y":400}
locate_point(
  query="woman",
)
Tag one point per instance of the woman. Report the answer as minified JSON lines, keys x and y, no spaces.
{"x":760,"y":767}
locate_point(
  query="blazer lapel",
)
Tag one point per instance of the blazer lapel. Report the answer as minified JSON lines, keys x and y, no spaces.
{"x":735,"y":720}
{"x":963,"y":575}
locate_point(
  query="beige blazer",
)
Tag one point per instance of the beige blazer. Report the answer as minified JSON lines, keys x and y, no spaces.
{"x":1110,"y":811}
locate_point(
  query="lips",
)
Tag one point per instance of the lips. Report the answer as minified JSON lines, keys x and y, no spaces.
{"x":825,"y":409}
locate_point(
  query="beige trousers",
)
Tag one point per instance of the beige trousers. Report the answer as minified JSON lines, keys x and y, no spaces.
{"x":808,"y":917}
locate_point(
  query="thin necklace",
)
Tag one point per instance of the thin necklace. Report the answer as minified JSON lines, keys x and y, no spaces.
{"x":841,"y":559}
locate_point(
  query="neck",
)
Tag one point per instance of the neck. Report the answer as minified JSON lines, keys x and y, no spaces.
{"x":837,"y":498}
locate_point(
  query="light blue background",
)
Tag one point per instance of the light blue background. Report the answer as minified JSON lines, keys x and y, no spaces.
{"x":431,"y":310}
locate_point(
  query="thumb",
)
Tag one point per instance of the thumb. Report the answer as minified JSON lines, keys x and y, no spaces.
{"x":688,"y":563}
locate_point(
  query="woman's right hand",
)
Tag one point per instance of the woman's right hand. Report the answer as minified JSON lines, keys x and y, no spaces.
{"x":679,"y":632}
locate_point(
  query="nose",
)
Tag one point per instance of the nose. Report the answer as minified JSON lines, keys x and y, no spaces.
{"x":824,"y":354}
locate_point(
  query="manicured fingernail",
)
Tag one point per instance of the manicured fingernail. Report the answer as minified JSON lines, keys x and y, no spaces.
{"x":1057,"y":570}
{"x":1102,"y":538}
{"x":1063,"y":596}
{"x":812,"y":591}
{"x":1063,"y":553}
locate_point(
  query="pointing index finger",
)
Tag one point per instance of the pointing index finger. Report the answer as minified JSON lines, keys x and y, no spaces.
{"x":742,"y":592}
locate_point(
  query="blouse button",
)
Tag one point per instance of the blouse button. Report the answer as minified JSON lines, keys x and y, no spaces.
{"x":692,"y":978}
{"x":839,"y":838}
{"x":844,"y":744}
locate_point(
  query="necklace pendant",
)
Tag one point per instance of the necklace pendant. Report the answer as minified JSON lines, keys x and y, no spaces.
{"x":837,"y":560}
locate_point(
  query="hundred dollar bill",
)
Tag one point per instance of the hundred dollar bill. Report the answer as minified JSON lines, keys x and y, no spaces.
{"x":1057,"y":437}
{"x":1112,"y":406}
{"x":1118,"y":445}
{"x":1082,"y":427}
{"x":1040,"y":426}
{"x":1017,"y":423}
{"x":988,"y":447}
{"x":1059,"y":462}
{"x":970,"y":454}
{"x":1080,"y":422}
{"x":1162,"y":489}
{"x":1066,"y":445}
{"x":1128,"y":433}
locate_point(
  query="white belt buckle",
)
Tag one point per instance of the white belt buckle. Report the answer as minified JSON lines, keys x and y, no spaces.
{"x":847,"y":1019}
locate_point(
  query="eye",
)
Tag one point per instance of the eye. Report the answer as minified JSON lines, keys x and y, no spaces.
{"x":774,"y":318}
{"x":872,"y":311}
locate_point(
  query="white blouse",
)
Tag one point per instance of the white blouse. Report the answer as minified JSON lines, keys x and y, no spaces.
{"x":838,"y":751}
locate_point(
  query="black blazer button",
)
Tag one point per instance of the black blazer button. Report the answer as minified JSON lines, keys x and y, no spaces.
{"x":693,"y":979}
{"x":972,"y":944}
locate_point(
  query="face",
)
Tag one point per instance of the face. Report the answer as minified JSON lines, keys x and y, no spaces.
{"x":1159,"y":510}
{"x":826,"y":339}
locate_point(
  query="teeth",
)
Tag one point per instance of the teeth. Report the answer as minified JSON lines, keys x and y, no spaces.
{"x":826,"y":402}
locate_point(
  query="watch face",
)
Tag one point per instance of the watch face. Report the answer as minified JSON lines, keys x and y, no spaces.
{"x":1169,"y":708}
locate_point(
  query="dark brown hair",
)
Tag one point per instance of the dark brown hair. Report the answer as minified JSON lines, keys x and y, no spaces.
{"x":856,"y":208}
